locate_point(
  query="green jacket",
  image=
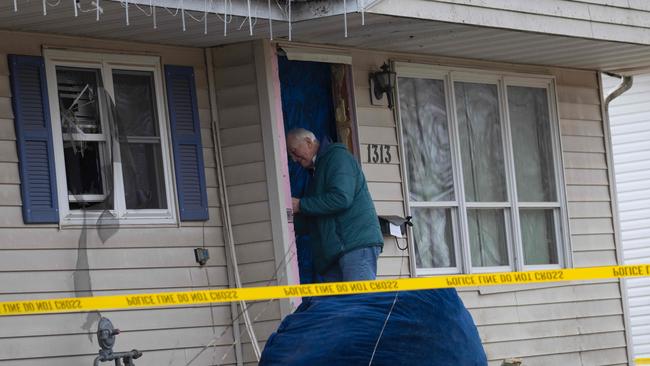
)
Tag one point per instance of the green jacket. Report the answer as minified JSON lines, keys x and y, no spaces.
{"x":337,"y":207}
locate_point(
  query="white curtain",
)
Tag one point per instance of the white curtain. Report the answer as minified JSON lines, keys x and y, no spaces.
{"x":430,"y":175}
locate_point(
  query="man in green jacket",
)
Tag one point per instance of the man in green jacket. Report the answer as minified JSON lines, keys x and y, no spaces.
{"x":336,"y":210}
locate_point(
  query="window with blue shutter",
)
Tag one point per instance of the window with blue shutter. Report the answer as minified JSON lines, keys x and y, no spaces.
{"x":186,"y":139}
{"x":109,"y":139}
{"x":34,"y":139}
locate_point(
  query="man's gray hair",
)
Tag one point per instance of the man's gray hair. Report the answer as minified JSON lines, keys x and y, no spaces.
{"x":301,"y":134}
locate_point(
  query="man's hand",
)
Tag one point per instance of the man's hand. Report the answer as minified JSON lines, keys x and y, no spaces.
{"x":295,"y":205}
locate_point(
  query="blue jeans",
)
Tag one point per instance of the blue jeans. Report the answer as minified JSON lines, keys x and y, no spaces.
{"x":356,"y":265}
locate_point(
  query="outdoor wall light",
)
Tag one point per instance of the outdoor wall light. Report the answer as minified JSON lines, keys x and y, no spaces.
{"x":383,"y":82}
{"x":201,"y":255}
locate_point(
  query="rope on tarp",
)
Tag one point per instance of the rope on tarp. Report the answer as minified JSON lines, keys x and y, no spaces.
{"x":381,"y":333}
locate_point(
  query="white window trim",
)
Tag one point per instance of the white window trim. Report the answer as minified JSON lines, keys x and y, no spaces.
{"x":560,"y":210}
{"x":461,"y":244}
{"x":106,"y":63}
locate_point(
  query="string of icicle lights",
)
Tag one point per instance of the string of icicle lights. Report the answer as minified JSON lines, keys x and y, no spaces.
{"x":210,"y":7}
{"x":221,"y":9}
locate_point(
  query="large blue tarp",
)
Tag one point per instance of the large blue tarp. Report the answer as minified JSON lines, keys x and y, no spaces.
{"x":428,"y":327}
{"x":306,"y":89}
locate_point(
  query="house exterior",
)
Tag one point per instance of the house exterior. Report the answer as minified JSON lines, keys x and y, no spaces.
{"x":129,"y":141}
{"x":630,"y":122}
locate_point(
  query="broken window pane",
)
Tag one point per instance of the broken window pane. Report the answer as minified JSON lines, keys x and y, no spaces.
{"x":77,"y":89}
{"x":84,"y":142}
{"x":86,"y":186}
{"x":83,"y":169}
{"x":140,"y":149}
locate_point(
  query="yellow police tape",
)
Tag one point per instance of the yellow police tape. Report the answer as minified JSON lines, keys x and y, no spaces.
{"x":80,"y":304}
{"x":642,"y":361}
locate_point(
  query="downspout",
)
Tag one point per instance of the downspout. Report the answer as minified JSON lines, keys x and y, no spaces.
{"x":231,"y":255}
{"x":624,"y":86}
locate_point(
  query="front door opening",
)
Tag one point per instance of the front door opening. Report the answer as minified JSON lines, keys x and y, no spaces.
{"x":316,"y":96}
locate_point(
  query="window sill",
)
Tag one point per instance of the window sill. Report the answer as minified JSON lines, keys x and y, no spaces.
{"x":428,"y":272}
{"x":108,"y":219}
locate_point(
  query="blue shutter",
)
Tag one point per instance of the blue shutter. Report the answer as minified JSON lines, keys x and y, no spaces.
{"x":34,"y":139}
{"x":186,"y":138}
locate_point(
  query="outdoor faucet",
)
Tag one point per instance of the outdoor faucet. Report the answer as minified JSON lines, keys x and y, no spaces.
{"x":106,"y":337}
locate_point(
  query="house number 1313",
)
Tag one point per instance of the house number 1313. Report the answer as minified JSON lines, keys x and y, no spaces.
{"x":379,"y":154}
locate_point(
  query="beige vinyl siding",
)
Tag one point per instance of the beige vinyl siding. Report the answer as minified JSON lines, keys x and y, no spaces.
{"x":240,"y":129}
{"x":42,"y":261}
{"x":585,"y":164}
{"x":578,"y":323}
{"x":376,"y":125}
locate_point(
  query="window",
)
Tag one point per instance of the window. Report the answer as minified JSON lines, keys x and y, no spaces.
{"x":481,"y":165}
{"x":109,"y":138}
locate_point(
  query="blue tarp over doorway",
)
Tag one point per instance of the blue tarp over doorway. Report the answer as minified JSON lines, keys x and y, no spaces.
{"x":306,"y":89}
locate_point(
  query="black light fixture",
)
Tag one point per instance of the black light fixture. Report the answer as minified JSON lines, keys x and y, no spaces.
{"x":201,"y":255}
{"x":383,"y":82}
